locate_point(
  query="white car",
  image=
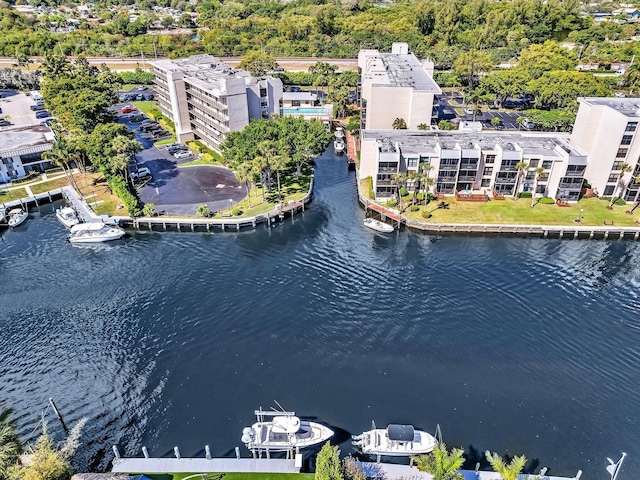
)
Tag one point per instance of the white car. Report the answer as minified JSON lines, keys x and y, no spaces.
{"x":142,"y":172}
{"x":179,"y":155}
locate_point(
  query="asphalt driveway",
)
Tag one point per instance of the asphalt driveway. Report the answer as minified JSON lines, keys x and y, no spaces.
{"x":180,"y":190}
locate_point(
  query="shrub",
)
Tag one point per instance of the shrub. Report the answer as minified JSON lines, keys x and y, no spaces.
{"x":414,"y":208}
{"x":372,"y":195}
{"x":426,"y":214}
{"x":155,"y":113}
{"x":446,"y":125}
{"x":119,"y":187}
{"x":149,"y":209}
{"x":524,"y":195}
{"x":430,"y":197}
{"x":392,"y":203}
{"x":420,"y":196}
{"x":236,"y":211}
{"x":138,"y":76}
{"x":547,"y":201}
{"x":203,"y":210}
{"x":403,"y":191}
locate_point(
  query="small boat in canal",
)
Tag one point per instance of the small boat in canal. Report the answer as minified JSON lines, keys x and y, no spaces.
{"x":394,"y":441}
{"x":280,"y":431}
{"x":339,"y":146}
{"x":339,"y":133}
{"x":17,"y":217}
{"x":378,"y":226}
{"x":67,"y":216}
{"x":95,"y":233}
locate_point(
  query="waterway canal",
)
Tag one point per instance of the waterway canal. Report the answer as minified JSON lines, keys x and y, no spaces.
{"x":517,"y":345}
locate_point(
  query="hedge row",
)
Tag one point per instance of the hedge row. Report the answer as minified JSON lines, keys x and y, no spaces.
{"x":119,"y":187}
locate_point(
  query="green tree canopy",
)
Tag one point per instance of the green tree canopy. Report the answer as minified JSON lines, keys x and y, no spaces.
{"x":442,"y":464}
{"x":328,"y":465}
{"x":561,"y":88}
{"x":541,"y":58}
{"x":258,"y":63}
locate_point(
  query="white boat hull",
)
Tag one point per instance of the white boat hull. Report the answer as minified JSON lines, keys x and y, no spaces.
{"x":378,"y":226}
{"x":376,"y":442}
{"x":339,"y":146}
{"x":266,"y":437}
{"x":94,"y":233}
{"x":17,"y":219}
{"x":67,"y":216}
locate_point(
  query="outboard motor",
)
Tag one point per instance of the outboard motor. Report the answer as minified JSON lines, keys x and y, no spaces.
{"x":248,"y":435}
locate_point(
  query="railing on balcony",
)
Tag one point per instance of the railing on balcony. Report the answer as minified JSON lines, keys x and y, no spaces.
{"x":575,"y":174}
{"x":575,"y":186}
{"x":388,"y":170}
{"x":467,"y":178}
{"x":448,"y":167}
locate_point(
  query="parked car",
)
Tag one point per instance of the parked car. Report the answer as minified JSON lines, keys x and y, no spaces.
{"x":140,"y":173}
{"x":139,"y":97}
{"x":149,"y":97}
{"x":43,"y":114}
{"x":182,"y":154}
{"x":4,"y":123}
{"x":129,"y":109}
{"x":36,"y":107}
{"x":176,"y":149}
{"x":159,"y":133}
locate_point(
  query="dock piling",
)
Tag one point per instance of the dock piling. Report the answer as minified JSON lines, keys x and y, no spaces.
{"x":237,"y":452}
{"x":116,"y":452}
{"x":145,"y":452}
{"x":207,"y":452}
{"x":578,"y":475}
{"x":176,"y":452}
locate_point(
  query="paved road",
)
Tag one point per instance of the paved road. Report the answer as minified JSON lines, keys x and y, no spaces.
{"x":181,"y":190}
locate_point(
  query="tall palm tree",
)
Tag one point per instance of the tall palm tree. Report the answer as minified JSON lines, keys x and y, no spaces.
{"x":522,"y":167}
{"x":244,"y":175}
{"x":636,"y":180}
{"x":506,"y":471}
{"x":539,"y":171}
{"x":258,"y":166}
{"x":399,"y":179}
{"x":442,"y":464}
{"x":624,"y":168}
{"x":61,"y":154}
{"x":428,"y":183}
{"x":278,"y":163}
{"x":268,"y":150}
{"x":10,"y":446}
{"x":417,"y":184}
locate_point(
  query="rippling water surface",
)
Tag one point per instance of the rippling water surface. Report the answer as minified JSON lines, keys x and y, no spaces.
{"x":515,"y":345}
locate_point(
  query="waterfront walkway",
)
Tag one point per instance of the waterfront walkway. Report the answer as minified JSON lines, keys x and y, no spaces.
{"x":388,"y":471}
{"x":204,"y":465}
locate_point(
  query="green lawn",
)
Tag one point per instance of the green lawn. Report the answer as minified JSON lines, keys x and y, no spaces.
{"x":7,"y":196}
{"x":199,"y":161}
{"x":145,"y":107}
{"x":50,"y":185}
{"x":166,"y":142}
{"x":594,"y":212}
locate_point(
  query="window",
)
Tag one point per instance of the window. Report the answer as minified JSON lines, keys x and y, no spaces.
{"x":263,"y":92}
{"x":533,"y":163}
{"x":530,"y":175}
{"x":613,"y":178}
{"x":608,"y":191}
{"x":412,"y":162}
{"x":616,"y":165}
{"x":485,"y":182}
{"x":487,"y":171}
{"x":489,"y":159}
{"x":547,"y":164}
{"x":540,"y":188}
{"x":631,"y":127}
{"x":622,"y":152}
{"x":626,"y":140}
{"x":295,"y":103}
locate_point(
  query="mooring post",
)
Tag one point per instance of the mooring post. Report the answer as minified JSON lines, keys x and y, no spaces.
{"x":145,"y":452}
{"x":207,"y":452}
{"x":116,"y":452}
{"x":176,"y":452}
{"x":578,"y":475}
{"x":55,"y":410}
{"x":237,"y":453}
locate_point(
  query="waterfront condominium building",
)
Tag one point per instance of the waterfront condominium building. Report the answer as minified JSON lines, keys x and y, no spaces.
{"x":606,"y":129}
{"x":395,"y":85}
{"x":484,"y":161}
{"x":207,"y":99}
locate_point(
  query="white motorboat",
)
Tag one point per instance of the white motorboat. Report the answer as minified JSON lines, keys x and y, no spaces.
{"x":378,"y":226}
{"x":280,"y":431}
{"x":339,"y":146}
{"x":67,"y":216}
{"x":17,"y":216}
{"x":95,"y":233}
{"x":394,"y":441}
{"x":339,"y":133}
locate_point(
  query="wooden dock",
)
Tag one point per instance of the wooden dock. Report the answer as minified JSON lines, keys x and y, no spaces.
{"x":204,"y":465}
{"x":388,"y":471}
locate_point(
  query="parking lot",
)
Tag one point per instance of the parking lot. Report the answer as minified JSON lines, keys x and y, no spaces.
{"x":447,"y":111}
{"x":16,"y":108}
{"x":179,"y":191}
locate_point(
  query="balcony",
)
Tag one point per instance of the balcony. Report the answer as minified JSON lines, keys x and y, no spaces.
{"x":579,"y":173}
{"x":575,"y":186}
{"x":388,"y":170}
{"x":467,"y":178}
{"x":448,"y":167}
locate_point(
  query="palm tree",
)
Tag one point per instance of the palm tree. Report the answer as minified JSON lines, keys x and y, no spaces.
{"x":636,"y":180}
{"x":244,"y":175}
{"x":10,"y":446}
{"x":399,"y":124}
{"x":624,"y":168}
{"x":399,"y":179}
{"x":442,"y":464}
{"x":417,"y":184}
{"x":60,"y":154}
{"x":522,"y":167}
{"x":506,"y":471}
{"x":539,"y":171}
{"x":278,"y":163}
{"x":520,"y":121}
{"x":428,"y":183}
{"x":258,"y":166}
{"x":268,"y":151}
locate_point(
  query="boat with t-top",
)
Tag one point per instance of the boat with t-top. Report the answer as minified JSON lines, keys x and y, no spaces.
{"x":394,"y":441}
{"x":95,"y":233}
{"x":17,"y":216}
{"x":281,"y":431}
{"x":378,"y":226}
{"x":339,"y":146}
{"x":67,"y":216}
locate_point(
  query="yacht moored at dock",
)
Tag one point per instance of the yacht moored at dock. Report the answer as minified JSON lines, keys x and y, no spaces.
{"x":95,"y":233}
{"x":339,"y":145}
{"x":280,"y":431}
{"x":377,"y":225}
{"x":67,"y":216}
{"x":394,"y":441}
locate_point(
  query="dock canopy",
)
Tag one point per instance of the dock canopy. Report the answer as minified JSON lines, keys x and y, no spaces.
{"x":401,"y":433}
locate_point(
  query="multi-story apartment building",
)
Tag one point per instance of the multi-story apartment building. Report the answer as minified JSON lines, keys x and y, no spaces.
{"x":483,"y":161}
{"x":207,"y":99}
{"x":606,"y":129}
{"x":21,"y":150}
{"x":395,"y":85}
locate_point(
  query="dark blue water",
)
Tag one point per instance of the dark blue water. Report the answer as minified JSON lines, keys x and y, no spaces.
{"x":517,"y":345}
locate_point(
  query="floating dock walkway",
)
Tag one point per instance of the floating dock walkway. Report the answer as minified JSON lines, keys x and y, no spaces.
{"x":388,"y":471}
{"x":203,"y":465}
